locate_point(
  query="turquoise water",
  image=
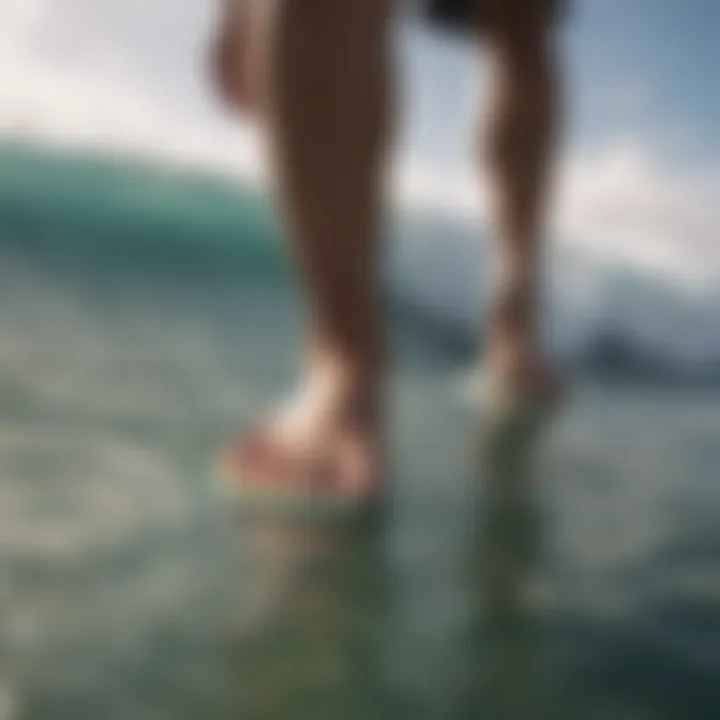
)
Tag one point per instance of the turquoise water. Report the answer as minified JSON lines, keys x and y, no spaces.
{"x":143,"y":318}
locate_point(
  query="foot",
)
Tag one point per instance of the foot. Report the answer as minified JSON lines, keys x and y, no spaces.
{"x":326,"y":441}
{"x":519,"y":371}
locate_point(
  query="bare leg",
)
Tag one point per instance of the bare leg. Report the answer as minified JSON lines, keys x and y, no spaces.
{"x":322,"y":84}
{"x":521,"y":145}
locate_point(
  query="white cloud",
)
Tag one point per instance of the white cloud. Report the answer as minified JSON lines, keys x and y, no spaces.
{"x":623,"y":202}
{"x":118,"y":77}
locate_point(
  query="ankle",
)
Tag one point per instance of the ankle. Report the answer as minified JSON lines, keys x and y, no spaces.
{"x":511,"y":348}
{"x":354,"y":373}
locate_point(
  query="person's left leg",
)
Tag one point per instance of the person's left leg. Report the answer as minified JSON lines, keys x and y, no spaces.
{"x":321,"y":74}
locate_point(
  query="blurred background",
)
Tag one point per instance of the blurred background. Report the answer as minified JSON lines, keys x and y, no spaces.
{"x":147,"y":311}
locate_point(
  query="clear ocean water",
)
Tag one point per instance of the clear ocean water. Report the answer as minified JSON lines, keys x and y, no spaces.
{"x":146,"y":314}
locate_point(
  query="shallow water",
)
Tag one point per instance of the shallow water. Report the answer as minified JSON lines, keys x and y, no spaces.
{"x":582,"y":584}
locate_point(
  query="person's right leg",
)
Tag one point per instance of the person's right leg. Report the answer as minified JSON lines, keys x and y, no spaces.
{"x":323,"y":87}
{"x":519,"y":39}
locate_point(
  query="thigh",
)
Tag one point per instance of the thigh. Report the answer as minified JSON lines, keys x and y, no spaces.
{"x":483,"y":14}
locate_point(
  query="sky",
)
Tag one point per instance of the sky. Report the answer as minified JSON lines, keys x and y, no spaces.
{"x":640,"y":168}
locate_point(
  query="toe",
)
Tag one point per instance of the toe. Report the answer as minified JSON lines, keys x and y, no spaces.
{"x":253,"y":459}
{"x":262,"y":459}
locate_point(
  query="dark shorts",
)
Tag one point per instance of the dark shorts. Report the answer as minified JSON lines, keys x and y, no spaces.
{"x":468,"y":14}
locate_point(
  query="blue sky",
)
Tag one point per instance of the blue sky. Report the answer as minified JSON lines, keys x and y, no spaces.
{"x":665,"y":52}
{"x":640,"y":172}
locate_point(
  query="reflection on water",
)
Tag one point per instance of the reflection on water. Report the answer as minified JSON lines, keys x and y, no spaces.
{"x":510,"y":678}
{"x":310,"y":642}
{"x":315,"y":639}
